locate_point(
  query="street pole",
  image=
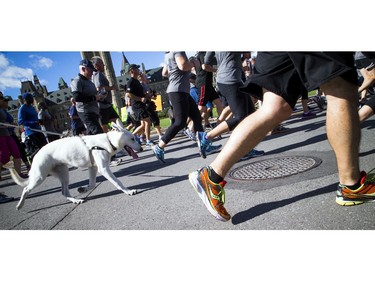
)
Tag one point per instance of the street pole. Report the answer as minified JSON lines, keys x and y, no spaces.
{"x":110,"y":73}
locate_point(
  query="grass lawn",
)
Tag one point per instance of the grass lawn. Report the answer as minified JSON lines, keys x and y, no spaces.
{"x":165,"y":122}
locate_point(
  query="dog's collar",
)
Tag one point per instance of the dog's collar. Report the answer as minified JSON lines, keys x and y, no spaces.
{"x":97,"y":148}
{"x":101,"y":148}
{"x":113,"y":147}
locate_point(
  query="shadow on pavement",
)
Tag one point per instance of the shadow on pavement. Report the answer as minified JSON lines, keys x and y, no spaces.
{"x":267,"y":207}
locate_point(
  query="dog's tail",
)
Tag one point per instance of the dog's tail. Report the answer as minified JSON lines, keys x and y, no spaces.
{"x":17,"y":179}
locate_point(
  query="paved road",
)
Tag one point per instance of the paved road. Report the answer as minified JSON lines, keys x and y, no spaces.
{"x":167,"y":201}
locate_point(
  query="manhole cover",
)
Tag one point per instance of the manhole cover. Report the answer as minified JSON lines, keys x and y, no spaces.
{"x":275,"y":168}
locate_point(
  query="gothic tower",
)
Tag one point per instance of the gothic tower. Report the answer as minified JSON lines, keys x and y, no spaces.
{"x":39,"y":88}
{"x":62,"y":84}
{"x":125,"y":65}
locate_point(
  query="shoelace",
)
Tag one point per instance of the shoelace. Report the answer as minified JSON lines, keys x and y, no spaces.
{"x":220,"y":196}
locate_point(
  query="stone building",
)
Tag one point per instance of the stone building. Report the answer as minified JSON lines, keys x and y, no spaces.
{"x":58,"y":101}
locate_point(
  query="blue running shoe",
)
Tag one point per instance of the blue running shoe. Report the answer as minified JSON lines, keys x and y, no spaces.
{"x":159,"y":153}
{"x":202,"y":143}
{"x":190,"y":134}
{"x":252,"y":154}
{"x":137,"y":139}
{"x":212,"y":148}
{"x":149,"y":143}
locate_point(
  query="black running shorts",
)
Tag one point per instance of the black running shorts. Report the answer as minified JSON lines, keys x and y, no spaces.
{"x":207,"y":93}
{"x":107,"y":115}
{"x":140,"y":111}
{"x":289,"y":74}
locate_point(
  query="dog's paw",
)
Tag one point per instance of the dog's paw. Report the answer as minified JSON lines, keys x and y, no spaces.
{"x":75,"y":201}
{"x":131,"y":192}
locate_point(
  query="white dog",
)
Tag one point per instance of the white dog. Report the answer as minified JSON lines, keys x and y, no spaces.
{"x":93,"y":152}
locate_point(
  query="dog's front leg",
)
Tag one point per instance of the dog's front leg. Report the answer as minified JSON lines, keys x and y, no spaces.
{"x":107,"y":173}
{"x":102,"y":161}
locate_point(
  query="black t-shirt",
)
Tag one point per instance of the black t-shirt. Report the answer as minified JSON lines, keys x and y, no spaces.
{"x":204,"y":78}
{"x":134,"y":86}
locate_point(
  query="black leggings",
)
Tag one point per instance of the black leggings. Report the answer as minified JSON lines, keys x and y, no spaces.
{"x":240,"y":103}
{"x":183,"y":107}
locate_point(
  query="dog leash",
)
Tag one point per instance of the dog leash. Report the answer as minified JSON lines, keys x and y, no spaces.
{"x":36,"y":130}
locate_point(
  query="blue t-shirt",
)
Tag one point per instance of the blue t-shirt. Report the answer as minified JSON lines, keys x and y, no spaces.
{"x":28,"y":118}
{"x":194,"y":94}
{"x":75,"y":123}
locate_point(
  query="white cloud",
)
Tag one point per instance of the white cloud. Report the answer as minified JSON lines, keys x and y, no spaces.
{"x":40,"y":62}
{"x":3,"y":61}
{"x":11,"y":75}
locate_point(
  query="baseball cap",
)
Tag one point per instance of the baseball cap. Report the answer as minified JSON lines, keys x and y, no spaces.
{"x":133,"y":66}
{"x":87,"y":63}
{"x":27,"y":96}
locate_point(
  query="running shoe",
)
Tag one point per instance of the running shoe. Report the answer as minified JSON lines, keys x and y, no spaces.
{"x":308,"y":114}
{"x":190,"y":134}
{"x":212,"y":194}
{"x":212,"y":149}
{"x":253,"y":153}
{"x":137,"y":139}
{"x":149,"y":143}
{"x":208,"y":128}
{"x":142,"y":140}
{"x":202,"y":143}
{"x":278,"y":129}
{"x":319,"y":101}
{"x":159,"y":153}
{"x":364,"y":194}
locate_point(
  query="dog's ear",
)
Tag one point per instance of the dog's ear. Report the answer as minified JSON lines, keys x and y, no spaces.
{"x":116,"y":127}
{"x":119,"y":123}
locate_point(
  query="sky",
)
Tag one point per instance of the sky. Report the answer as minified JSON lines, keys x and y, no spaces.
{"x":50,"y":66}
